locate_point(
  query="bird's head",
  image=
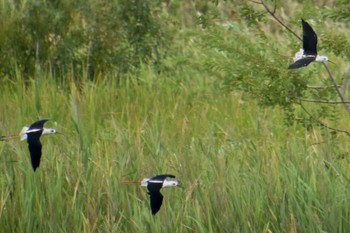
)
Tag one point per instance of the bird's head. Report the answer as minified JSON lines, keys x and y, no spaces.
{"x":170,"y":183}
{"x":49,"y":131}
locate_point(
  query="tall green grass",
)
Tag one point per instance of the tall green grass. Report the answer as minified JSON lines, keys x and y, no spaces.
{"x":242,"y":169}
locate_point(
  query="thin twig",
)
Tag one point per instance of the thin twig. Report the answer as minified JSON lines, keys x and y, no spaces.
{"x":324,"y":101}
{"x":256,"y":2}
{"x":323,"y":124}
{"x":347,"y":107}
{"x":345,"y":80}
{"x":320,"y":87}
{"x":272,"y":13}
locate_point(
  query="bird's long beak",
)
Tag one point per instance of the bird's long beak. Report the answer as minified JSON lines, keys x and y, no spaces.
{"x":57,"y":132}
{"x":179,"y":185}
{"x":331,"y":62}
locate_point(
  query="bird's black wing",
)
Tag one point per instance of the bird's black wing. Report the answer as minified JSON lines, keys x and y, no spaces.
{"x":162,"y":177}
{"x":34,"y":145}
{"x":156,"y":201}
{"x":38,"y":124}
{"x":309,"y":39}
{"x":155,"y":195}
{"x":301,"y":62}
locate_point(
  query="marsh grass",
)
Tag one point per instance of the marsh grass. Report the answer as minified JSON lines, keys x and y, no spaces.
{"x":242,"y":169}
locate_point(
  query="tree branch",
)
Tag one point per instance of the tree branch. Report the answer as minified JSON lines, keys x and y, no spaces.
{"x":347,"y":106}
{"x":340,"y":94}
{"x":272,"y":13}
{"x":320,"y":87}
{"x":323,"y":101}
{"x":345,"y":80}
{"x":323,"y":124}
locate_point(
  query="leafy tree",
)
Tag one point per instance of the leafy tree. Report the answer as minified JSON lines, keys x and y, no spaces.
{"x":82,"y":37}
{"x":254,"y":58}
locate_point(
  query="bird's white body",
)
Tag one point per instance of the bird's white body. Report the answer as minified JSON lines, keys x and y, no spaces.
{"x":321,"y":58}
{"x":300,"y":55}
{"x":166,"y":182}
{"x":25,"y":130}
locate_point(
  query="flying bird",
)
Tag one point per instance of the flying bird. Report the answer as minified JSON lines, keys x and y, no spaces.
{"x":23,"y":134}
{"x":46,"y":131}
{"x":308,"y":53}
{"x":154,"y":185}
{"x":33,"y":134}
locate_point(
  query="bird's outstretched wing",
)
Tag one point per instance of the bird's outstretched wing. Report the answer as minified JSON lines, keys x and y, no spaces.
{"x":38,"y":124}
{"x":301,"y":62}
{"x":309,"y":39}
{"x":162,"y":177}
{"x":155,"y":195}
{"x":156,"y":201}
{"x":34,"y":147}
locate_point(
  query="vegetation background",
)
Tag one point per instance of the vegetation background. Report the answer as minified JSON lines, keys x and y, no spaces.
{"x":198,"y":89}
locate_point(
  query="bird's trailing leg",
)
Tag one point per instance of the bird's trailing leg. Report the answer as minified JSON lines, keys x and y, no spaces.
{"x":129,"y":182}
{"x":8,"y":137}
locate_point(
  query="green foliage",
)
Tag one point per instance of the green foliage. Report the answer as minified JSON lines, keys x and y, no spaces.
{"x":252,"y":56}
{"x":212,"y":103}
{"x":241,"y":168}
{"x":338,"y":12}
{"x":249,"y":14}
{"x":337,"y":42}
{"x":82,"y":37}
{"x":252,"y":68}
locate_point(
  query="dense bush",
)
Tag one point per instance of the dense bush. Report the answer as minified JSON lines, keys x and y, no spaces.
{"x":82,"y":37}
{"x":234,"y":42}
{"x":251,"y":54}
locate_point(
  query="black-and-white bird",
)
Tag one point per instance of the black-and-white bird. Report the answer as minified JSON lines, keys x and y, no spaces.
{"x":154,"y":185}
{"x":33,"y":134}
{"x":23,"y":134}
{"x":308,"y":53}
